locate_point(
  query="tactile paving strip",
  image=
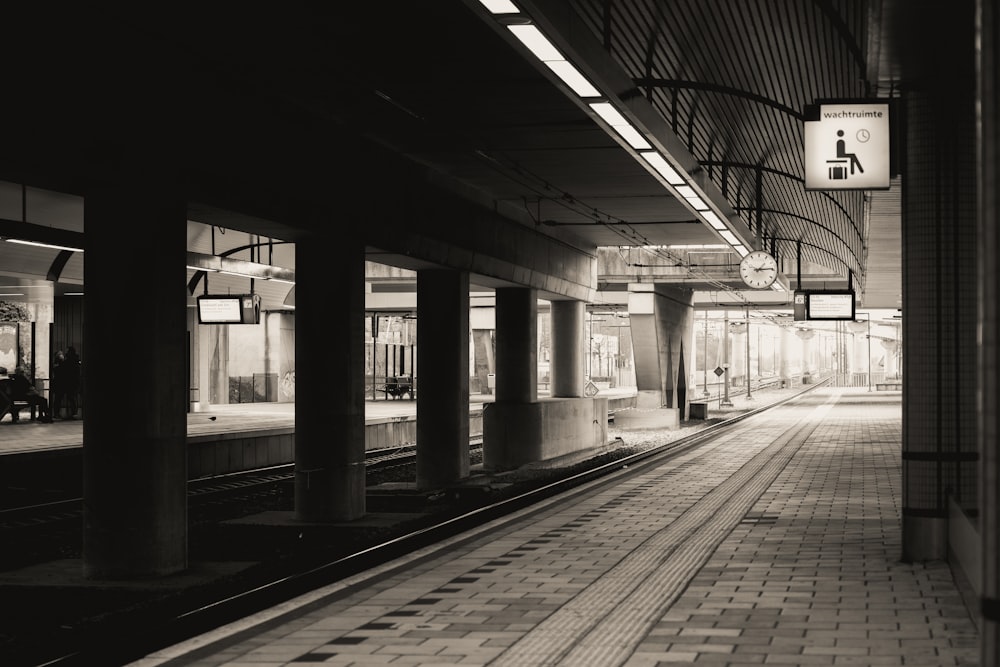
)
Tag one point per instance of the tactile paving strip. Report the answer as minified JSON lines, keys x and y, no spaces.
{"x":603,"y":624}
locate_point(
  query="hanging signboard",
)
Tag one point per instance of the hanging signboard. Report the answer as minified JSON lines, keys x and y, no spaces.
{"x":824,"y":305}
{"x":229,"y":309}
{"x":847,"y":146}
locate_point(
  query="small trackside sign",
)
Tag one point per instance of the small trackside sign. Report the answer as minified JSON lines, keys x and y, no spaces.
{"x":848,"y":147}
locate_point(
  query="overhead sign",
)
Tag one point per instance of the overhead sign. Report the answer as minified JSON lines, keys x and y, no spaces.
{"x":847,"y":147}
{"x":229,"y":309}
{"x":824,"y":305}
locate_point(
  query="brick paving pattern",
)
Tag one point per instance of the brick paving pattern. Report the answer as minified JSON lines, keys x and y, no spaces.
{"x":777,"y":544}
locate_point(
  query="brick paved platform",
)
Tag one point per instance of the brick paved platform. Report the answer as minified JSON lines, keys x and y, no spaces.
{"x":778,"y":543}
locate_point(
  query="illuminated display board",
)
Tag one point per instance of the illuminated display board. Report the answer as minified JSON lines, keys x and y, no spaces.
{"x":824,"y":305}
{"x":229,"y":309}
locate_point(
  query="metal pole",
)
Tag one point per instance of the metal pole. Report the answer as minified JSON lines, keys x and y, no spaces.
{"x":749,"y":397}
{"x":726,"y":403}
{"x":704,"y":356}
{"x":869,"y":320}
{"x":590,"y":343}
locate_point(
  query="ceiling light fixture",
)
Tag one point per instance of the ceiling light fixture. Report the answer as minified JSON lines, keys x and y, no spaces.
{"x":500,"y":6}
{"x":662,"y":167}
{"x":729,"y":237}
{"x":44,"y":245}
{"x":714,"y":220}
{"x":620,"y":125}
{"x":542,"y":48}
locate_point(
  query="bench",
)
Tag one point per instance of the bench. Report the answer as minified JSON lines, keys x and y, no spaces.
{"x":397,"y":387}
{"x":13,"y":407}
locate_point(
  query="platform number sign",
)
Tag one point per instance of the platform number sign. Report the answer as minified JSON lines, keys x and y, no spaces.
{"x":847,"y":146}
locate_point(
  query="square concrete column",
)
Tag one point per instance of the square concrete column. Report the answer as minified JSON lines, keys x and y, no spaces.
{"x":939,"y":317}
{"x":134,"y":438}
{"x":517,"y":349}
{"x":568,"y":343}
{"x":988,"y":359}
{"x":329,"y":379}
{"x":443,"y":382}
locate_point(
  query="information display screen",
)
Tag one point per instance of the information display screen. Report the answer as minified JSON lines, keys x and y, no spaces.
{"x":830,"y":305}
{"x":229,"y":309}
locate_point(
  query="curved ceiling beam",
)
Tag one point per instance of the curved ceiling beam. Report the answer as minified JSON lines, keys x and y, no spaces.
{"x":826,"y":7}
{"x":778,"y":172}
{"x":651,"y":82}
{"x":811,"y":222}
{"x":58,"y":264}
{"x":820,"y":248}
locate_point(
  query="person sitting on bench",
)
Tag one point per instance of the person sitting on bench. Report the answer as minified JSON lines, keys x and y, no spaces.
{"x":22,"y":389}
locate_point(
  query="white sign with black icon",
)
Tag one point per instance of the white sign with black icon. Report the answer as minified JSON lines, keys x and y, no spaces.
{"x":848,"y":147}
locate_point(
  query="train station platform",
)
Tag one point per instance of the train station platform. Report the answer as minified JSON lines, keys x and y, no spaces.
{"x":28,"y":436}
{"x":776,"y":543}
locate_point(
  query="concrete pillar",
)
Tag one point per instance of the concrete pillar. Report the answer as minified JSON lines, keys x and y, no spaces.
{"x":329,"y":393}
{"x":806,"y":336}
{"x":134,"y":447}
{"x":482,"y":322}
{"x":567,"y":368}
{"x":738,"y":347}
{"x":662,"y":322}
{"x":939,"y":283}
{"x":443,"y":392}
{"x":516,"y":347}
{"x":784,"y":353}
{"x":194,"y":360}
{"x":889,"y":347}
{"x":217,"y":338}
{"x":988,"y":360}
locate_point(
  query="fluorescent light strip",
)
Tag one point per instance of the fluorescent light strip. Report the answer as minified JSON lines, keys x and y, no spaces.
{"x":729,"y":237}
{"x":697,"y":203}
{"x":544,"y":50}
{"x":536,"y":42}
{"x":500,"y":7}
{"x":657,"y":162}
{"x":241,"y":275}
{"x":714,"y":220}
{"x":45,"y":245}
{"x":620,"y":125}
{"x":572,"y":77}
{"x":12,"y":294}
{"x":202,"y":268}
{"x":533,"y":39}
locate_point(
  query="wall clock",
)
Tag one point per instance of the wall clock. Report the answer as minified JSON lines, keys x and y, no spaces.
{"x":758,"y":269}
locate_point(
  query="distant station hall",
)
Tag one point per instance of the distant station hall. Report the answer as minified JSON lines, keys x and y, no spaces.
{"x":528,"y":332}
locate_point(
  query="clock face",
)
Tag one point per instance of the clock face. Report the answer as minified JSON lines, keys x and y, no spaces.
{"x":758,"y":269}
